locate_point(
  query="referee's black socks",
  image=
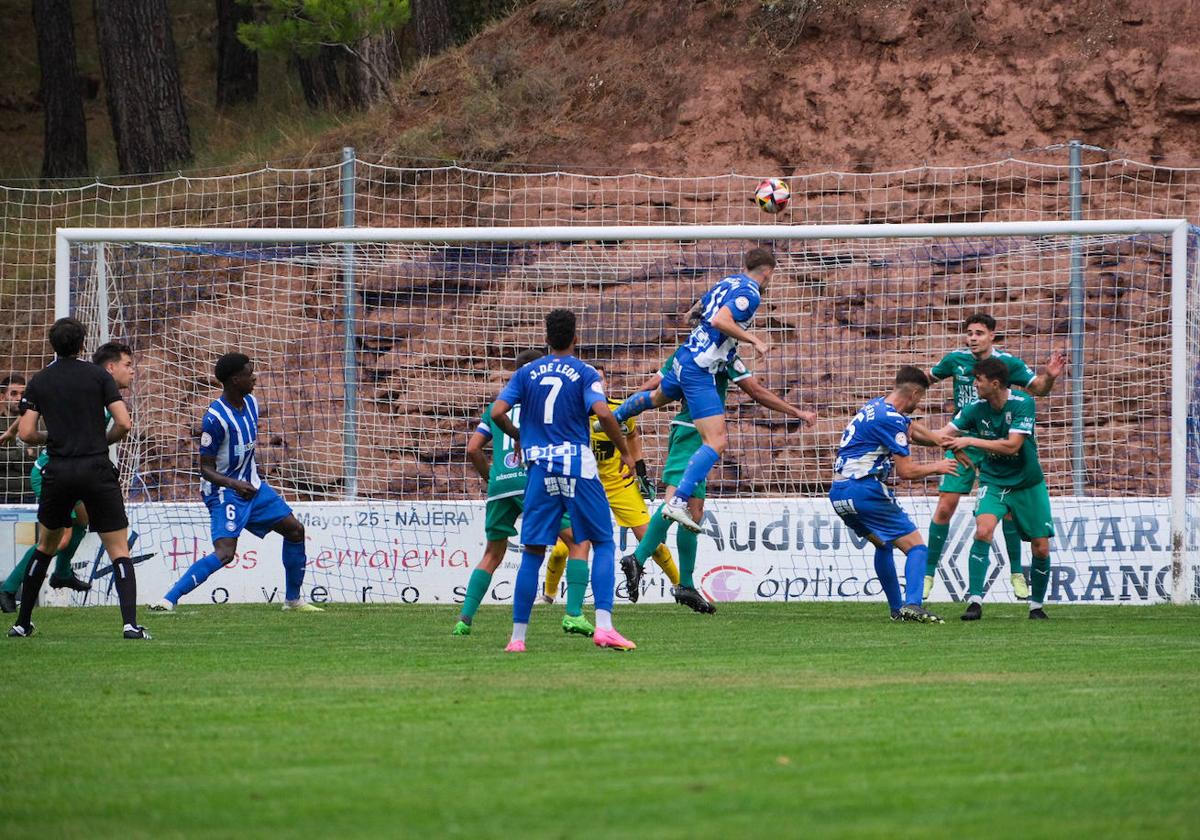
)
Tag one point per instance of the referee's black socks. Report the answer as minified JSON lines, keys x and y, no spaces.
{"x":31,"y":585}
{"x":126,"y":589}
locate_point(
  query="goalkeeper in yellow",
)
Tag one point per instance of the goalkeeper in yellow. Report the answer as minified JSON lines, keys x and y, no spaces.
{"x":626,"y":497}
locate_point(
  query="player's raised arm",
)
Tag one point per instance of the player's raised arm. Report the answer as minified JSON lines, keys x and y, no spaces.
{"x":1010,"y":445}
{"x":767,"y":398}
{"x":726,"y":322}
{"x":1043,"y":383}
{"x":909,"y":469}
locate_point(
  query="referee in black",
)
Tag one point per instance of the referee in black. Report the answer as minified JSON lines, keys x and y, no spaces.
{"x":70,"y":396}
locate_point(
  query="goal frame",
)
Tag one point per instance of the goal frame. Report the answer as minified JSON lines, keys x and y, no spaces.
{"x":1176,"y":229}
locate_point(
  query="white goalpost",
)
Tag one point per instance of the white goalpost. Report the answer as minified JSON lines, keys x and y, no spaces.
{"x":378,"y":348}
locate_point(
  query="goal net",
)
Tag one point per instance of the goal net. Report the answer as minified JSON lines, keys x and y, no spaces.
{"x":377,"y":350}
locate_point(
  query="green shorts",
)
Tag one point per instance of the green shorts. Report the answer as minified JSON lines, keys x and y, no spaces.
{"x":962,"y":482}
{"x":1030,"y":508}
{"x":683,"y":443}
{"x":500,"y":518}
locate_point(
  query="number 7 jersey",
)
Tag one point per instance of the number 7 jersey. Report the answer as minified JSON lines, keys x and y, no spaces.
{"x":556,"y":394}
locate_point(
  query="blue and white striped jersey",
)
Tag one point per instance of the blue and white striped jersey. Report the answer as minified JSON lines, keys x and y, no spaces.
{"x":230,"y":435}
{"x":877,"y":432}
{"x":556,"y":394}
{"x":711,"y":349}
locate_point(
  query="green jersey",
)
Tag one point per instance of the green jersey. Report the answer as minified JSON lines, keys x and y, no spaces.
{"x":961,"y":365}
{"x":734,"y":372}
{"x":507,"y":476}
{"x":979,"y":419}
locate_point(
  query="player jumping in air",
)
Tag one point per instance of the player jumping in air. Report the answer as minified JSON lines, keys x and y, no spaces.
{"x":624,"y":496}
{"x":556,"y":394}
{"x":506,"y":480}
{"x":724,"y":311}
{"x":683,"y":443}
{"x":1000,"y":425}
{"x":237,"y":498}
{"x":980,"y":336}
{"x":875,"y":440}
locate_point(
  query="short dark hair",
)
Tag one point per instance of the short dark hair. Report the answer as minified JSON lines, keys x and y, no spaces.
{"x":230,"y":364}
{"x":527,"y":356}
{"x":981,"y":318}
{"x":992,"y":368}
{"x":111,"y":351}
{"x":12,"y":379}
{"x":560,"y":329}
{"x":757,"y":257}
{"x":66,"y":337}
{"x":909,"y":376}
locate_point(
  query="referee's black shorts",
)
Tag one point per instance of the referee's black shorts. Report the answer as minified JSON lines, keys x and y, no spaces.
{"x":92,"y":480}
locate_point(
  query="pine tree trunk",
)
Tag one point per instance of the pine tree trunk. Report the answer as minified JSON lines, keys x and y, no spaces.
{"x":369,"y":70}
{"x":237,"y":66}
{"x":64,"y":142}
{"x":319,"y":78}
{"x":431,"y":23}
{"x":141,"y":78}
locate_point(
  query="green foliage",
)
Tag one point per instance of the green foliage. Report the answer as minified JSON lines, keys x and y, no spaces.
{"x":304,"y":26}
{"x":801,"y":719}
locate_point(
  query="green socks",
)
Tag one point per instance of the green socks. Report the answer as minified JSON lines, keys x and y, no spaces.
{"x":977,"y":567}
{"x":1039,"y":576}
{"x":12,"y":583}
{"x":687,"y":542}
{"x":577,"y":583}
{"x":937,"y":541}
{"x":656,"y":534}
{"x":62,"y":560}
{"x":1012,"y":542}
{"x":477,"y":587}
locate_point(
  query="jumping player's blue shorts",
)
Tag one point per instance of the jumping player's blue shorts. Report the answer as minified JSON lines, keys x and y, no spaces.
{"x":548,"y":496}
{"x":231,"y":514}
{"x":868,"y":507}
{"x":687,"y":380}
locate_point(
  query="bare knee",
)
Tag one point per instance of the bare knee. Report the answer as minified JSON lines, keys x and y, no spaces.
{"x":946,"y":505}
{"x":493,"y":555}
{"x":291,"y":529}
{"x":226,"y":553}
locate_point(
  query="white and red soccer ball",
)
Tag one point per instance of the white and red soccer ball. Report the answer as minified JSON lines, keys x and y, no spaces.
{"x":772,"y":195}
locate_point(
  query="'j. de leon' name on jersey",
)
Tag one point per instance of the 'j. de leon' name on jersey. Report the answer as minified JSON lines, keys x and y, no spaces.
{"x":556,"y":394}
{"x":877,"y":432}
{"x":711,"y":349}
{"x":230,"y":435}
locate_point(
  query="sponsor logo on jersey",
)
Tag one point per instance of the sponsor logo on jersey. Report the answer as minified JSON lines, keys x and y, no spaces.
{"x":510,"y":460}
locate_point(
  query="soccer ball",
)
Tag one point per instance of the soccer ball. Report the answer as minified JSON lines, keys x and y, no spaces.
{"x":772,"y":195}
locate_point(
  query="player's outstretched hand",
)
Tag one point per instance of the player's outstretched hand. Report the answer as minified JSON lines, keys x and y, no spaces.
{"x":243,"y":488}
{"x":761,"y":347}
{"x":947,"y":467}
{"x":959,"y":444}
{"x":1057,"y":365}
{"x":808,"y":418}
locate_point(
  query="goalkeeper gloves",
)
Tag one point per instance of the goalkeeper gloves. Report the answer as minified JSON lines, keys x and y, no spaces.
{"x":645,"y":485}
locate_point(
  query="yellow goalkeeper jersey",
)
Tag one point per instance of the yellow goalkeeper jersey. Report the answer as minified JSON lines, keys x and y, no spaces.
{"x":608,"y":459}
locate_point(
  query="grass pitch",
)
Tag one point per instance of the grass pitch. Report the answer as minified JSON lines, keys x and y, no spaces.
{"x":765,"y":719}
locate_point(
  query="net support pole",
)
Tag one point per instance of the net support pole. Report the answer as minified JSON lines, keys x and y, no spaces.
{"x":102,"y":293}
{"x":1077,"y":310}
{"x":62,"y":276}
{"x":1181,"y":573}
{"x":349,"y":354}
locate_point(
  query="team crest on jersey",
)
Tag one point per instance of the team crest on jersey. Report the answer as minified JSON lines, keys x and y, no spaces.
{"x":206,"y":439}
{"x":229,"y":526}
{"x":510,"y":460}
{"x":1008,"y":417}
{"x":742,"y":303}
{"x":901,"y":439}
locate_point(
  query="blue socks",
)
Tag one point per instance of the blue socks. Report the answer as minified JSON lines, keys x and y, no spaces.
{"x":914,"y":575}
{"x":293,"y":569}
{"x":885,"y":570}
{"x":194,"y":576}
{"x":697,"y":470}
{"x":635,"y":405}
{"x":604,"y":574}
{"x":525,"y":590}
